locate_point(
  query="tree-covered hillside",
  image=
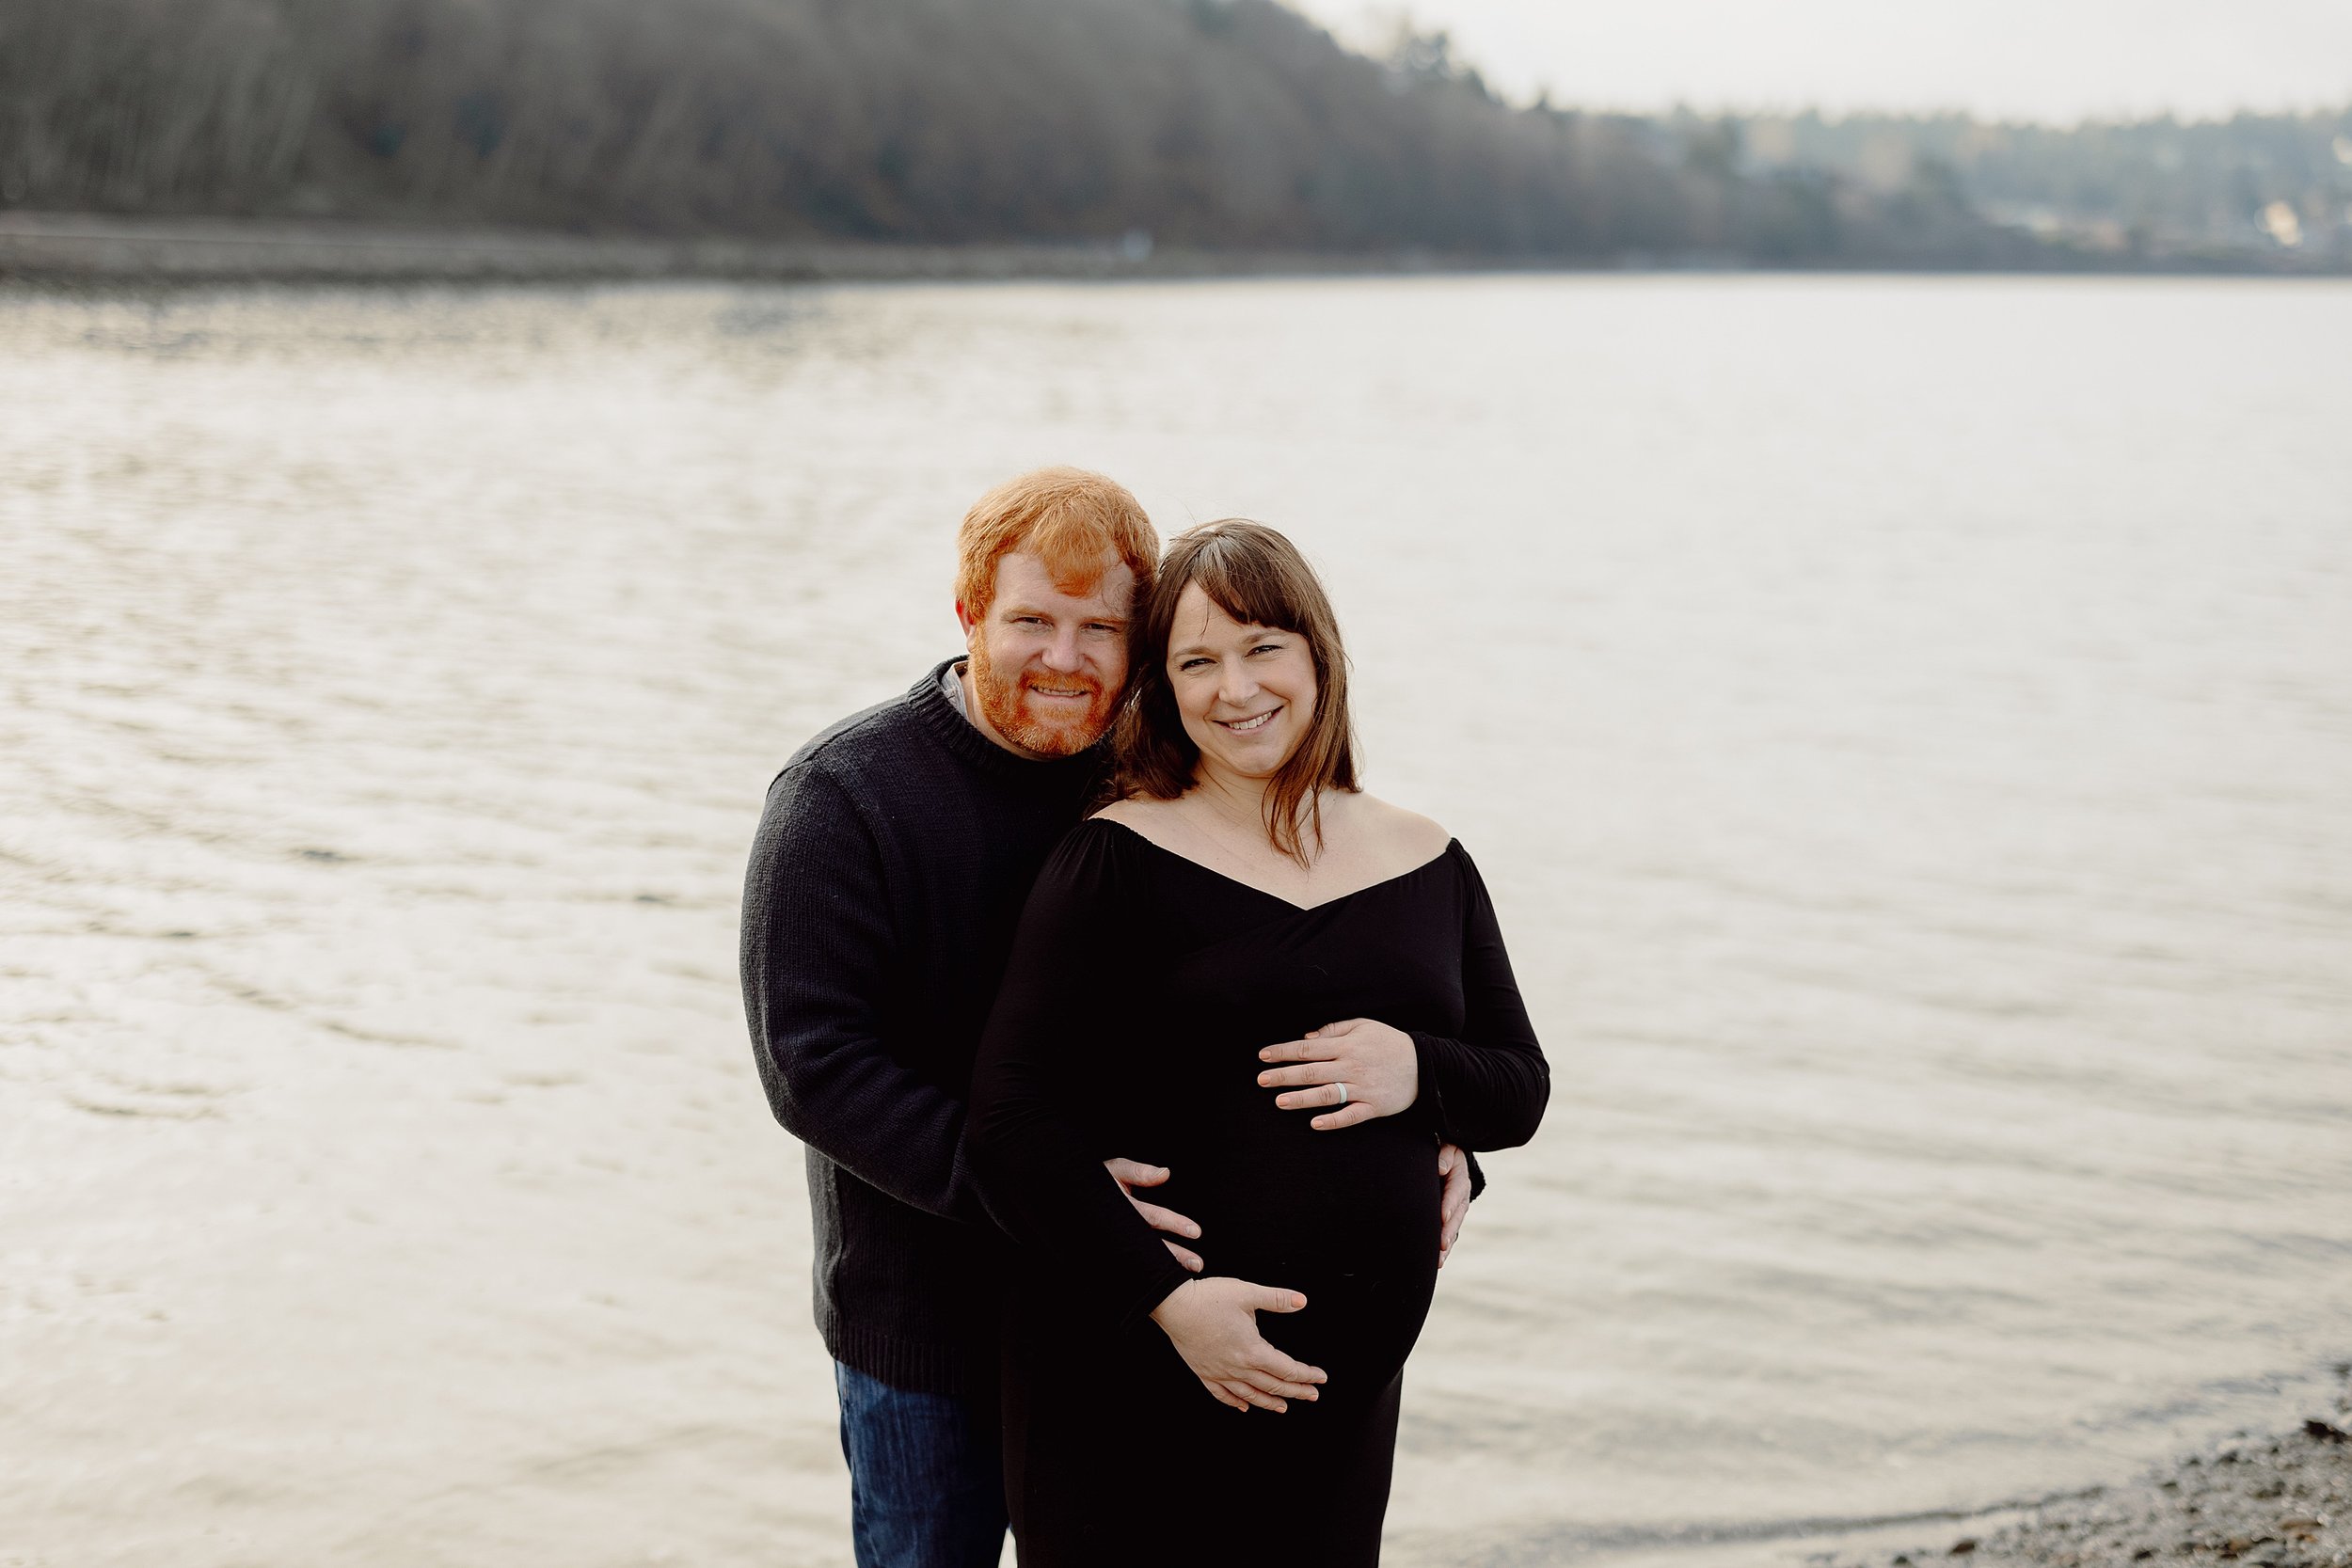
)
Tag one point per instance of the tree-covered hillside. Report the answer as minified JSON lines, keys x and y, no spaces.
{"x":1220,"y":124}
{"x":1208,"y":126}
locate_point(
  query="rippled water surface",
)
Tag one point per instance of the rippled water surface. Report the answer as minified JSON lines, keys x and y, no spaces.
{"x":1907,"y":726}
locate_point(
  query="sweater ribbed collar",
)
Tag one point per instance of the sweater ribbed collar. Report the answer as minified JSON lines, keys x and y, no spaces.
{"x":965,"y":741}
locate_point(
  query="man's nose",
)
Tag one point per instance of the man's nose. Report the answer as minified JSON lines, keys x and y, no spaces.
{"x":1062,"y":652}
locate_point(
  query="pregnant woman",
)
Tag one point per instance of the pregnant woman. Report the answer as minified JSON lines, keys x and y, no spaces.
{"x":1287,"y":993}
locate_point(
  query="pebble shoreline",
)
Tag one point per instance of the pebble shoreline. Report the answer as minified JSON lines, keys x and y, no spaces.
{"x":2261,"y":1501}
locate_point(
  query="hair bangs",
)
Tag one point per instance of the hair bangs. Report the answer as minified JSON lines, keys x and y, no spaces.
{"x":1248,"y":585}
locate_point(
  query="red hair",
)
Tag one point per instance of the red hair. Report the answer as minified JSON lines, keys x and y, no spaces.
{"x":1069,"y":519}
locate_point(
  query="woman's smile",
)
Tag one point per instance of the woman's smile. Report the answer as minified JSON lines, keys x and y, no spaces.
{"x":1251,"y":724}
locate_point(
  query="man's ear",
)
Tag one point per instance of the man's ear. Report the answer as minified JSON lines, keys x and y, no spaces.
{"x":964,"y":619}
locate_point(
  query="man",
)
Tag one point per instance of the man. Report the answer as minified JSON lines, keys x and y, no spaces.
{"x":889,"y":874}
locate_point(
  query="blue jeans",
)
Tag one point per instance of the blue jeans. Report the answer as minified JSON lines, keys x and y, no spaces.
{"x":927,"y":1481}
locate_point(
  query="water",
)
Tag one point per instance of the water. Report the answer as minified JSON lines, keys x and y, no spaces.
{"x":1907,"y":725}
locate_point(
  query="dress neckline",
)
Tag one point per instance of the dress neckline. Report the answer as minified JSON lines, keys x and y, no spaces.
{"x":1252,"y":887}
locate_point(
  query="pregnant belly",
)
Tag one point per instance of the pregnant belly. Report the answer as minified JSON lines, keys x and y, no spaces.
{"x":1348,"y":1218}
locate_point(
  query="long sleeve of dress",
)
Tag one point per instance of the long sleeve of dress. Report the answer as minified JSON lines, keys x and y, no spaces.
{"x":1038,"y":1174}
{"x":1488,"y":1088}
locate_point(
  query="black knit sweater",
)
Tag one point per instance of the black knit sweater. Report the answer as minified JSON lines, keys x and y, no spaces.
{"x":889,"y":872}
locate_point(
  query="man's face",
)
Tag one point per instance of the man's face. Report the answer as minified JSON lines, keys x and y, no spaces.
{"x":1048,"y":667}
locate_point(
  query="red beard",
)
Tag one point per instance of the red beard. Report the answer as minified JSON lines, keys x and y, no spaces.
{"x":1004,"y":701}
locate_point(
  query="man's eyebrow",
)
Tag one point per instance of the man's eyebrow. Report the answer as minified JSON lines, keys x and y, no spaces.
{"x":1015,"y":607}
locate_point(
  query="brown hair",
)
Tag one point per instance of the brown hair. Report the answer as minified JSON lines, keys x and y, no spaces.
{"x":1259,"y":578}
{"x":1069,"y":517}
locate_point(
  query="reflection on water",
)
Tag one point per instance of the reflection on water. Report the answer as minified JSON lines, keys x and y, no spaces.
{"x":1905,"y":723}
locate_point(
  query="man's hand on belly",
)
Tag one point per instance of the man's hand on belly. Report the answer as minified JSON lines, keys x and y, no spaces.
{"x":1359,"y":1068}
{"x":1454,"y":1197}
{"x":1131,"y":1174}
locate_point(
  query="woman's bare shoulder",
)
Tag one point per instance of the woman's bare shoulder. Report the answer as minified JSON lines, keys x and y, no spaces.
{"x":1401,"y":834}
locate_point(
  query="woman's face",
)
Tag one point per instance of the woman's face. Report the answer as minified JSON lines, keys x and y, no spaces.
{"x":1247,"y":694}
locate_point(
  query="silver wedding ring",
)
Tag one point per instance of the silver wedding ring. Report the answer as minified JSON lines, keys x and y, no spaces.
{"x":1342,"y":1088}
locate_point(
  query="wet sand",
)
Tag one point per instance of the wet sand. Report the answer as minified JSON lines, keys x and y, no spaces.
{"x":2276,"y":1500}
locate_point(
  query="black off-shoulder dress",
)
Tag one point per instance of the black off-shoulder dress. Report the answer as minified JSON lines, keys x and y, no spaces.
{"x":1141,"y":987}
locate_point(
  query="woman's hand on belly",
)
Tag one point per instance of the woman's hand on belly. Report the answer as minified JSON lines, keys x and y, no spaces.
{"x":1353,"y":1071}
{"x":1213,"y":1325}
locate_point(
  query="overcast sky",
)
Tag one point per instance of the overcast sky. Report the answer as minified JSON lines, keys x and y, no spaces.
{"x":2042,"y":60}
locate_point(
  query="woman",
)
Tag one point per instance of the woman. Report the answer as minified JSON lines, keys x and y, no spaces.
{"x":1287,"y":993}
